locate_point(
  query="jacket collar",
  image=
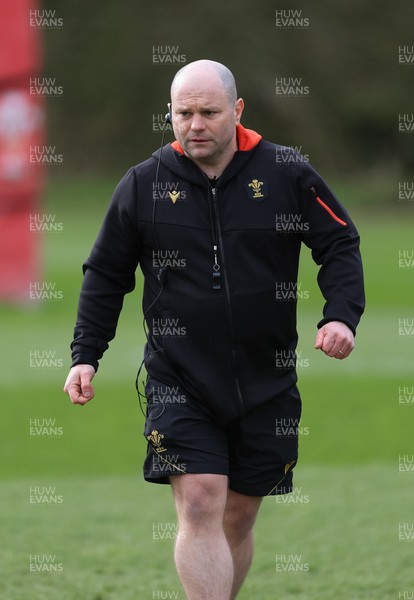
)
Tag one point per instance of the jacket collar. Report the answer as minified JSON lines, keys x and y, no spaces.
{"x":173,"y":158}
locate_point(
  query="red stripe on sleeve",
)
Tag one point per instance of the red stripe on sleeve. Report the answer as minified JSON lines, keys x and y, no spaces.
{"x":331,"y":212}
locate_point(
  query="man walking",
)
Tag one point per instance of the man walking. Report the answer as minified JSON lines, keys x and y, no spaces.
{"x":216,"y":220}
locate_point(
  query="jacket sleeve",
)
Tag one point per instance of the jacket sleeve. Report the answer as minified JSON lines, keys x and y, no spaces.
{"x":109,"y":274}
{"x":334,"y":241}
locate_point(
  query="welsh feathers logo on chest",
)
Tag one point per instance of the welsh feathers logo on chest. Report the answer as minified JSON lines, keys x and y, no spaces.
{"x":256,"y":190}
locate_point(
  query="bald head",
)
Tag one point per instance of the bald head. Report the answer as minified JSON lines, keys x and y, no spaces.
{"x":205,"y":112}
{"x":199,"y":69}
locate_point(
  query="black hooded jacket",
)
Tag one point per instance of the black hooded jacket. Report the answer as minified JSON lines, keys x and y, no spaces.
{"x":220,"y":263}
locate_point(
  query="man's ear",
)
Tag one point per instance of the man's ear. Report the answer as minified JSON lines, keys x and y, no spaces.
{"x":239,"y":110}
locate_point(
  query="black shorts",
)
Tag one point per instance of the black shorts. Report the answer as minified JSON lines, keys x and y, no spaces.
{"x":257,"y":452}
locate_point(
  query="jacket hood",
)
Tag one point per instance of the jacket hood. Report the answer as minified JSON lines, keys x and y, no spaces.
{"x":172,"y":156}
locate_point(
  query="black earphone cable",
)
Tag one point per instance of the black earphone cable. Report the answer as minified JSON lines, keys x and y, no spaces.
{"x":142,"y":399}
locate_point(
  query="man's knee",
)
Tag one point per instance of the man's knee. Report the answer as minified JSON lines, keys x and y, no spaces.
{"x":240,"y":513}
{"x":200,"y":499}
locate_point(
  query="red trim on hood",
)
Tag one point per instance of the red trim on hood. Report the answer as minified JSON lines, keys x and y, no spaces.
{"x":247,"y":139}
{"x":177,"y":147}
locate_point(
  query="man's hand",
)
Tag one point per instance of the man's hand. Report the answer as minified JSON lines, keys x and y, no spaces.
{"x":78,"y":384}
{"x":335,"y":339}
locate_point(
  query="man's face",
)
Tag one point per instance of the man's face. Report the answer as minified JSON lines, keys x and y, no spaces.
{"x":203,"y":118}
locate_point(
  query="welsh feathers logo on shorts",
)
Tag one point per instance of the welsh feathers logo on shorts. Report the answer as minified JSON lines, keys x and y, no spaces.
{"x":156,"y":440}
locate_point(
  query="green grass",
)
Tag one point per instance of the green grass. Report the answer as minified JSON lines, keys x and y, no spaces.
{"x":102,"y":532}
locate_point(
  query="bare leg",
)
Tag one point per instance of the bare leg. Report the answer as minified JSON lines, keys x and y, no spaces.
{"x":202,"y":554}
{"x":239,"y":517}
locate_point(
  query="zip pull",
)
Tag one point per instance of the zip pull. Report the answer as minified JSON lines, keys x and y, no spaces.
{"x":216,"y":271}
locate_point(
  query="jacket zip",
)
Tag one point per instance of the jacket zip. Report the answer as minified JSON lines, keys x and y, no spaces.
{"x":216,"y":264}
{"x":217,"y":235}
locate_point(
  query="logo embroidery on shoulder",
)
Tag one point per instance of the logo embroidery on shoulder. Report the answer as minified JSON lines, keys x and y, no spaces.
{"x":174,"y":195}
{"x":256,"y":190}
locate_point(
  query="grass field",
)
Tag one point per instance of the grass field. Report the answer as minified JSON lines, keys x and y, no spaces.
{"x":341,"y":536}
